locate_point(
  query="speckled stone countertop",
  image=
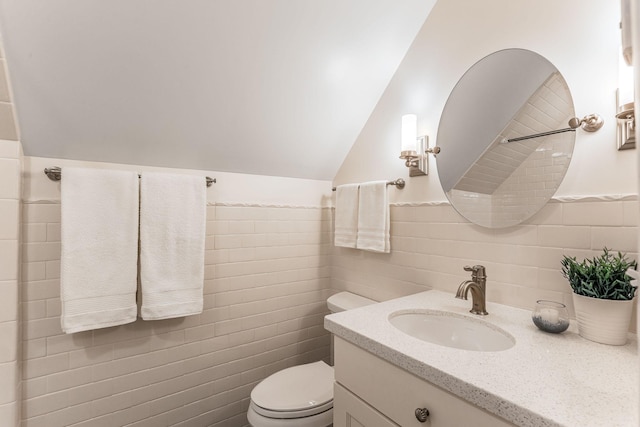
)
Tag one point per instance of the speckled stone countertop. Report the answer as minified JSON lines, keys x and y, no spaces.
{"x":543,"y":380}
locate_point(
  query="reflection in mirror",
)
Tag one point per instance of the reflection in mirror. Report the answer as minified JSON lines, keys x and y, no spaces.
{"x":508,"y":94}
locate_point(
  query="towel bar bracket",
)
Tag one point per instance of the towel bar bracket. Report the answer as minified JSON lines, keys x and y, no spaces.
{"x":55,"y":174}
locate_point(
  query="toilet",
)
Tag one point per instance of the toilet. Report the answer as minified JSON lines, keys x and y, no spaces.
{"x":300,"y":396}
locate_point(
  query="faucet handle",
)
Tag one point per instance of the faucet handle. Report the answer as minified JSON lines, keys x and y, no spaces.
{"x":477,"y":271}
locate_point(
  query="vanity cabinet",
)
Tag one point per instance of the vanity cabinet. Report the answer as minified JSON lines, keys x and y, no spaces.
{"x":371,"y":392}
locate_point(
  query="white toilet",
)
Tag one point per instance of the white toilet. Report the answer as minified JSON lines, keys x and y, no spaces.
{"x":300,"y":396}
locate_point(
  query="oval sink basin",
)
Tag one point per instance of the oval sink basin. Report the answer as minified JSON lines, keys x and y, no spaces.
{"x":452,"y":330}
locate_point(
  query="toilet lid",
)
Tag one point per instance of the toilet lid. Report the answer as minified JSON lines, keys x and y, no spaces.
{"x":343,"y":301}
{"x":298,"y":388}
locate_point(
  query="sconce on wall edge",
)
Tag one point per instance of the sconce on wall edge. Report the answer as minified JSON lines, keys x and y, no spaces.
{"x":415,"y":149}
{"x":625,"y":133}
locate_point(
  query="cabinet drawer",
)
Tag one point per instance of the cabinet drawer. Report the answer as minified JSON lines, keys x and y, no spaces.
{"x":397,"y":393}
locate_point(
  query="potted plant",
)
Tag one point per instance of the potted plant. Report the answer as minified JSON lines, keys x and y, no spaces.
{"x":602,"y":295}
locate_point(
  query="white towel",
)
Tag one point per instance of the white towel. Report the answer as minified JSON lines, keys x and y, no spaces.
{"x":373,"y":217}
{"x":172,"y":234}
{"x":98,"y":265}
{"x":346,"y":216}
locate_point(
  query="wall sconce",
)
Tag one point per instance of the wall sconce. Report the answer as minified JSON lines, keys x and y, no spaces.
{"x":415,"y":148}
{"x":625,"y":133}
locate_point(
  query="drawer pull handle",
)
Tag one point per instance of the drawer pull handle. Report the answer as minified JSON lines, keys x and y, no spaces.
{"x":422,"y":414}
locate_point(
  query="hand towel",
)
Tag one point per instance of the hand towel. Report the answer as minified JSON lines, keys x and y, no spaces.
{"x":172,"y":234}
{"x":346,"y":216}
{"x":373,"y":217}
{"x":99,"y":250}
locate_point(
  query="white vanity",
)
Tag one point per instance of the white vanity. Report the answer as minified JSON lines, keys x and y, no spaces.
{"x":383,"y":375}
{"x":370,"y":391}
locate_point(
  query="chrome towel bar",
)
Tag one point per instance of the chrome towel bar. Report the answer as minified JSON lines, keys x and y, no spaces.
{"x":55,"y":174}
{"x":398,"y":183}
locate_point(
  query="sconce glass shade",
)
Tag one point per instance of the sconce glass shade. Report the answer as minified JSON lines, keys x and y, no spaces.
{"x":409,"y":132}
{"x":625,"y":82}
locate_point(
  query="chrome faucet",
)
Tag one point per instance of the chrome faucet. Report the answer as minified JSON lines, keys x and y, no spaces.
{"x":478,"y":287}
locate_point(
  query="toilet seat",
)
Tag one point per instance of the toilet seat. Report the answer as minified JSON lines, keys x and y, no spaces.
{"x":296,"y":392}
{"x":292,"y":414}
{"x":324,"y":419}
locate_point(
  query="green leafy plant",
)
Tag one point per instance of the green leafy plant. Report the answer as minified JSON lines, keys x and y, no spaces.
{"x":601,"y":277}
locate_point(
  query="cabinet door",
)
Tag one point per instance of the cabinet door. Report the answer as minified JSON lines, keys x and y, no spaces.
{"x":351,"y":411}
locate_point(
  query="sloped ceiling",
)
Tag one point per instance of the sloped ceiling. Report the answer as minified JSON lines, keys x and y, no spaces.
{"x":270,"y":87}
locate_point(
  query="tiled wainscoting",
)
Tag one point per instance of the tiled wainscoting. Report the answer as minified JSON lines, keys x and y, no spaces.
{"x":10,"y":187}
{"x":11,"y":159}
{"x":432,"y":243}
{"x":267,"y":280}
{"x":269,"y":271}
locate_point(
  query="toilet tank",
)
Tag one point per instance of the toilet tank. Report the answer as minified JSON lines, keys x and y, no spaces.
{"x":346,"y":301}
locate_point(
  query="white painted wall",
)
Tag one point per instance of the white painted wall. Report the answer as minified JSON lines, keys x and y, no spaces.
{"x":580,"y":38}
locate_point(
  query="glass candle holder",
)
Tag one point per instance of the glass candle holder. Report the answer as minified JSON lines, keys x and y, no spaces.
{"x":550,"y":316}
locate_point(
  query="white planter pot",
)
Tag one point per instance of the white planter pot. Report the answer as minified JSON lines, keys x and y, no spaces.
{"x":602,"y":320}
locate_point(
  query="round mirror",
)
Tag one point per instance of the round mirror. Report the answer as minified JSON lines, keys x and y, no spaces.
{"x":490,"y":174}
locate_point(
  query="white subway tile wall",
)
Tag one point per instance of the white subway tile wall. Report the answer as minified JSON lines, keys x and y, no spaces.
{"x":10,"y":384}
{"x":10,"y":190}
{"x":431,"y":244}
{"x":266,"y":283}
{"x":269,"y":271}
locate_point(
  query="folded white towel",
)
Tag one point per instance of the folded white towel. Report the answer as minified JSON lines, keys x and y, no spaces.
{"x":98,"y":266}
{"x":172,"y":234}
{"x":373,"y":217}
{"x":346,"y":216}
